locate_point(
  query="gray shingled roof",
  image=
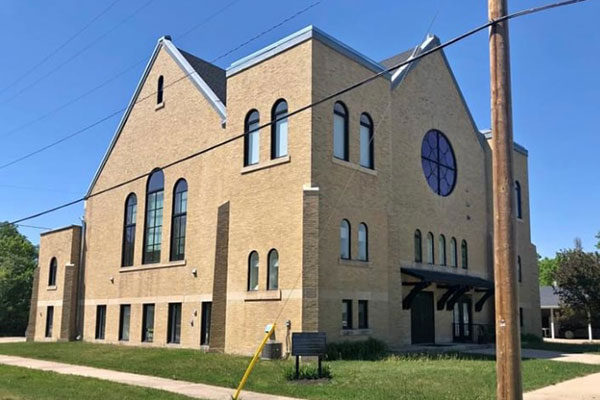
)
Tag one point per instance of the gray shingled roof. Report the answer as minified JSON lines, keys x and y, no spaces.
{"x":212,"y":75}
{"x":397,"y":59}
{"x":548,"y":297}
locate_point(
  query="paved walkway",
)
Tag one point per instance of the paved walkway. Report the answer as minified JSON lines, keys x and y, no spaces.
{"x":194,"y":390}
{"x":583,"y":358}
{"x":12,"y":339}
{"x":584,"y":388}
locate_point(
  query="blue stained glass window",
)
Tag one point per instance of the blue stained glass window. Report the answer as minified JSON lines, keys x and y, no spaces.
{"x":439,"y":163}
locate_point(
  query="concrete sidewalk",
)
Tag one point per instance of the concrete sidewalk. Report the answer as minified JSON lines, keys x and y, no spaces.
{"x":13,"y":339}
{"x":194,"y":390}
{"x":584,"y":388}
{"x":584,"y":358}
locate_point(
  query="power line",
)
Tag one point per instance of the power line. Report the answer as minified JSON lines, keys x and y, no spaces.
{"x":311,"y":105}
{"x":62,"y":46}
{"x":34,"y":227}
{"x":151,"y":95}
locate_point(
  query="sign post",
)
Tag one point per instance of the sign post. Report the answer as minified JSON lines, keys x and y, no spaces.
{"x":309,"y":344}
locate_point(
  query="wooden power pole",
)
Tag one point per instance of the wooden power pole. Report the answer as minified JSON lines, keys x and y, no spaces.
{"x":508,"y":345}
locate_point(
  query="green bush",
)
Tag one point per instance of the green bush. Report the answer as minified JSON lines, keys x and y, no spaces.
{"x":370,"y":349}
{"x":307,"y":371}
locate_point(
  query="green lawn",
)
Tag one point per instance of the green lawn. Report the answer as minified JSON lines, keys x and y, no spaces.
{"x":564,"y":347}
{"x":416,"y":377}
{"x":21,"y":383}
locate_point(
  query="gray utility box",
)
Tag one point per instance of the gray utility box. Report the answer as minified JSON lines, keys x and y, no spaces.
{"x":271,"y":351}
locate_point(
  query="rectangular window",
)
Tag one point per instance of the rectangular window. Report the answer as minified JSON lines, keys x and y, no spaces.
{"x":124,"y":318}
{"x":174,"y":328}
{"x":178,"y":226}
{"x":339,"y":137}
{"x":365,"y":147}
{"x":49,"y":320}
{"x":521,"y":317}
{"x":148,"y":323}
{"x":346,"y":314}
{"x":253,"y":143}
{"x":363,"y":314}
{"x":154,"y":217}
{"x":205,"y":329}
{"x":100,"y":322}
{"x":281,"y":138}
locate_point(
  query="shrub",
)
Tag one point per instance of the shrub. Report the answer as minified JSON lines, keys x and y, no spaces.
{"x":307,"y":371}
{"x":370,"y":349}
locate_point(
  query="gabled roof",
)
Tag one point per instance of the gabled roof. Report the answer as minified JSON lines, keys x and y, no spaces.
{"x":548,"y":297}
{"x":209,"y":79}
{"x":399,"y":73}
{"x":487,"y":133}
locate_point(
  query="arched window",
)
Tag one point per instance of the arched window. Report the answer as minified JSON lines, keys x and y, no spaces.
{"x":179,"y":220}
{"x":465,"y":254}
{"x":253,"y":271}
{"x":129,"y":230}
{"x":430,"y":249}
{"x":345,"y":239}
{"x":442,"y":246}
{"x":251,"y":138}
{"x":363,"y":242}
{"x":273,"y":270}
{"x":367,"y":141}
{"x":453,"y":253}
{"x":52,"y":272}
{"x":279,"y":129}
{"x":340,"y":131}
{"x":159,"y":90}
{"x":519,"y":269}
{"x":418,"y":247}
{"x":154,"y":216}
{"x":518,"y":200}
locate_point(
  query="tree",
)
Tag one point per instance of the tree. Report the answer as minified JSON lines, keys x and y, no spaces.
{"x":18,"y":260}
{"x":547,"y":267}
{"x":598,"y":237}
{"x":578,"y":279}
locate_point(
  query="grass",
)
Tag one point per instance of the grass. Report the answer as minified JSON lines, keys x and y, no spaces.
{"x":564,"y":347}
{"x":22,"y":383}
{"x":400,"y":377}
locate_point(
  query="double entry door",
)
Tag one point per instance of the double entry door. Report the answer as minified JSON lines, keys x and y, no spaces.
{"x":462,"y":322}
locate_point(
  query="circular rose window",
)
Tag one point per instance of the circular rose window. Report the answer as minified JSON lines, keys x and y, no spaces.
{"x":439,"y":164}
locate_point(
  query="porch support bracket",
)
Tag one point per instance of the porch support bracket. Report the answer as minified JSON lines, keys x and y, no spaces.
{"x":456,"y":296}
{"x":407,"y":301}
{"x":442,"y":301}
{"x":483,"y":299}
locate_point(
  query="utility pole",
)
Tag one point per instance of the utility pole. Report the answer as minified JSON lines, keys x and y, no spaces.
{"x":508,"y":344}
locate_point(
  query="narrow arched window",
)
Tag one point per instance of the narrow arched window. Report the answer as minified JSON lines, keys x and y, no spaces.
{"x":253,"y":271}
{"x":273,"y":270}
{"x":519,"y":269}
{"x":179,"y":220}
{"x":363,"y":242}
{"x":418,"y":247}
{"x":52,"y":272}
{"x":453,"y":253}
{"x":442,"y":248}
{"x":367,"y":141}
{"x":345,"y":239}
{"x":430,"y":249}
{"x":129,"y":230}
{"x":340,"y":131}
{"x":279,"y":129}
{"x":154,"y":217}
{"x":465,"y":254}
{"x":518,"y":200}
{"x":251,"y":138}
{"x":159,"y":90}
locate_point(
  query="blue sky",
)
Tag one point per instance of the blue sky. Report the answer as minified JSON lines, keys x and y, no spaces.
{"x":555,"y":64}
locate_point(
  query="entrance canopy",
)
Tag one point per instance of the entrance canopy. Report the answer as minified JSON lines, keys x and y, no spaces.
{"x":456,"y":285}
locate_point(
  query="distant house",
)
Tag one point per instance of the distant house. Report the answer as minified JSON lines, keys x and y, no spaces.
{"x":550,"y":305}
{"x":555,"y":327}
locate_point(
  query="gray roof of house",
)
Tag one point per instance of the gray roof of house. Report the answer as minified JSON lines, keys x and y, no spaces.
{"x":548,"y":297}
{"x":396,"y":59}
{"x":212,"y":75}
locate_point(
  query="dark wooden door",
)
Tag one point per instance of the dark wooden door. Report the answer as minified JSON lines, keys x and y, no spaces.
{"x":422,"y":319}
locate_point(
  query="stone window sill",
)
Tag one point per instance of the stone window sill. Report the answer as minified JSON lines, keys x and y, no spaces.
{"x":145,"y":267}
{"x":263,"y":295}
{"x":51,"y":288}
{"x":354,"y":263}
{"x":353,"y":166}
{"x":356,"y":332}
{"x":267,"y":164}
{"x":159,"y":106}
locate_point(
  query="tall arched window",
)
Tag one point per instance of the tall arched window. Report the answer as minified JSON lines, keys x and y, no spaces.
{"x":518,"y":200}
{"x":418,"y":247}
{"x":367,"y":141}
{"x":52,"y":272}
{"x":154,"y":216}
{"x":442,"y":248}
{"x":453,"y":253}
{"x":129,"y":230}
{"x":340,"y":131}
{"x":273,"y":270}
{"x":159,"y":89}
{"x":179,"y":220}
{"x":253,"y":271}
{"x":345,"y":239}
{"x":465,"y":254}
{"x":252,"y":138}
{"x":279,"y":129}
{"x":363,"y":242}
{"x":519,"y":269}
{"x":430,"y":249}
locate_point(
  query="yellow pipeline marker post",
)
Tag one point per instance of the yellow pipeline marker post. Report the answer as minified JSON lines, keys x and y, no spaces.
{"x":253,"y":363}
